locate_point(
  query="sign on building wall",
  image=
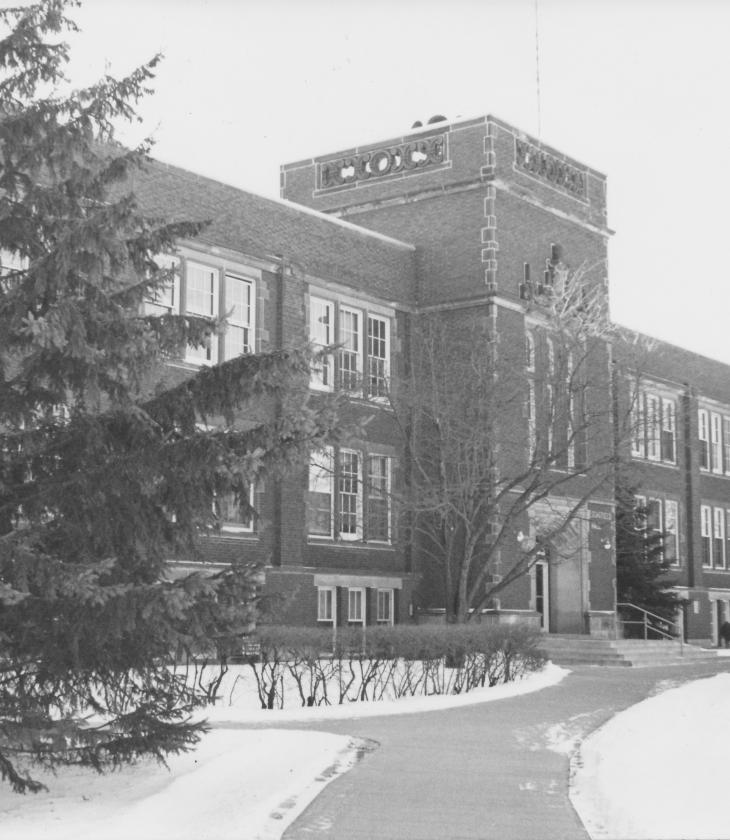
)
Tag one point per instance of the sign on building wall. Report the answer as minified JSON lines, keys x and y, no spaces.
{"x":404,"y":158}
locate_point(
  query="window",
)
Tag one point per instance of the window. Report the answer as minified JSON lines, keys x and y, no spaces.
{"x":319,"y":501}
{"x":706,"y":534}
{"x":569,"y":387}
{"x":654,"y":516}
{"x":325,"y":603}
{"x":718,"y":533}
{"x":232,"y":513}
{"x":529,"y":351}
{"x":704,"y":436}
{"x":356,"y":606}
{"x":363,"y":359}
{"x":671,"y":531}
{"x":240,"y":310}
{"x":385,"y":606}
{"x":196,"y":289}
{"x":726,"y":443}
{"x":668,"y":438}
{"x":639,"y":513}
{"x":351,"y":353}
{"x":531,"y":419}
{"x":638,"y":427}
{"x":727,"y":537}
{"x":358,"y":487}
{"x":378,"y":356}
{"x":378,"y":501}
{"x":349,"y":494}
{"x":654,"y":427}
{"x":716,"y":442}
{"x":201,"y":298}
{"x":321,"y":334}
{"x":550,"y":410}
{"x":165,"y":300}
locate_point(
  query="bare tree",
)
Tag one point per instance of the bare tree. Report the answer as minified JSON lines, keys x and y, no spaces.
{"x":509,"y":430}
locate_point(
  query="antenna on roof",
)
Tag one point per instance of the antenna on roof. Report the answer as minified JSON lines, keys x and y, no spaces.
{"x":537,"y":70}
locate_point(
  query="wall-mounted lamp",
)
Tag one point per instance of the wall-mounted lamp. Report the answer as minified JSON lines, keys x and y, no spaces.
{"x":606,"y":544}
{"x":520,"y":537}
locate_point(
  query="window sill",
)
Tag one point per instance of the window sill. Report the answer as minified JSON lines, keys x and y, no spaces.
{"x":672,"y":465}
{"x":328,"y":542}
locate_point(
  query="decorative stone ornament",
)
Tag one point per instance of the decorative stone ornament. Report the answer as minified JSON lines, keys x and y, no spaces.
{"x":414,"y":156}
{"x":547,"y":167}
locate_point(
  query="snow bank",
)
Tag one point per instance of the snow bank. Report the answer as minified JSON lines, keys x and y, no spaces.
{"x":237,"y":707}
{"x":660,"y":768}
{"x":244,"y":784}
{"x":247,"y":784}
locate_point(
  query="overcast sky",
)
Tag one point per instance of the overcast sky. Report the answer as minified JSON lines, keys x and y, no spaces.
{"x":637,"y":89}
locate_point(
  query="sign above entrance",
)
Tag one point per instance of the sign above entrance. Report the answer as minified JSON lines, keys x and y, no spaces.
{"x":414,"y":156}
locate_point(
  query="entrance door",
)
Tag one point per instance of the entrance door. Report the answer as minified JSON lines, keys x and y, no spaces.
{"x":720,"y":618}
{"x":542,"y":594}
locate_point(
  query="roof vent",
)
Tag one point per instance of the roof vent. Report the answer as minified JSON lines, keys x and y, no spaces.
{"x":437,"y":118}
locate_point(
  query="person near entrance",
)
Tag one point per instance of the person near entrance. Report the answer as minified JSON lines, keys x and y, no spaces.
{"x":725,"y":632}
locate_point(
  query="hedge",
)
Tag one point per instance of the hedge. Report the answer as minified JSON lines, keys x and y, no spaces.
{"x":379,"y":663}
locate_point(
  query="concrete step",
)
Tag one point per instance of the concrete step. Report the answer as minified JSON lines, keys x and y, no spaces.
{"x":583,"y":650}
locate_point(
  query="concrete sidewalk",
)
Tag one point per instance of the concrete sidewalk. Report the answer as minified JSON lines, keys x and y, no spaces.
{"x":495,"y":770}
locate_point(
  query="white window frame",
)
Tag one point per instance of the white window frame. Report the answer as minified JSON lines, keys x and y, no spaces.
{"x":706,"y":533}
{"x":322,"y":334}
{"x":726,"y":442}
{"x":653,"y":427}
{"x":669,"y":426}
{"x":327,"y":604}
{"x":658,"y":528}
{"x":165,"y":301}
{"x":322,"y":481}
{"x":529,"y":351}
{"x":718,"y":537}
{"x":369,"y":318}
{"x":353,"y":600}
{"x":345,"y":334}
{"x":671,"y":529}
{"x":531,"y":409}
{"x":716,"y":443}
{"x":192,"y":355}
{"x":703,"y":433}
{"x":570,"y":442}
{"x":386,"y":494}
{"x":343,"y":493}
{"x":384,"y":611}
{"x":637,"y":417}
{"x":238,"y":527}
{"x":246,"y":322}
{"x":640,"y":503}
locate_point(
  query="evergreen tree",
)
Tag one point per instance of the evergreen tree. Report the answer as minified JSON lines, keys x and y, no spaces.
{"x":106,"y":474}
{"x":643,"y":567}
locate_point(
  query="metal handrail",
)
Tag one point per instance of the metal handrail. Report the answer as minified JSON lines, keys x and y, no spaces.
{"x":649,"y":626}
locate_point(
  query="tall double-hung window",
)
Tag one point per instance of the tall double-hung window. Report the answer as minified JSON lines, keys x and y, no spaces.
{"x":360,"y":338}
{"x":654,"y":426}
{"x":350,"y":496}
{"x":713,"y":432}
{"x":202,"y":298}
{"x":208,"y":291}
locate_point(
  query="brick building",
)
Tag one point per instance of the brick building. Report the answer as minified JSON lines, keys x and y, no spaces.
{"x":454,"y":220}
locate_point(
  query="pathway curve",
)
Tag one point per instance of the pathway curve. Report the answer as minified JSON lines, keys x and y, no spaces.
{"x":494,"y":770}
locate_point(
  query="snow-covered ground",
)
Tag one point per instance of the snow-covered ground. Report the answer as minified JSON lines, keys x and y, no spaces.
{"x":243,"y":784}
{"x":660,"y":769}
